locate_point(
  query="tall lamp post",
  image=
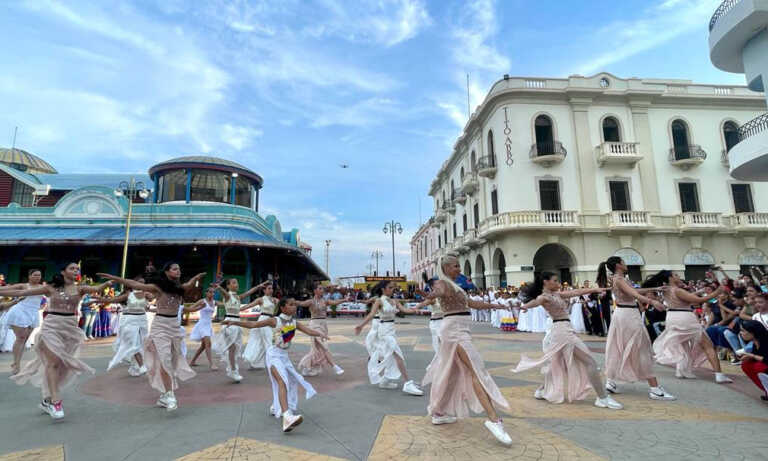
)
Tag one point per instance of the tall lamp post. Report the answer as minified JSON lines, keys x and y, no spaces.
{"x":327,"y":249}
{"x":376,"y":255}
{"x":392,"y":227}
{"x":129,"y":189}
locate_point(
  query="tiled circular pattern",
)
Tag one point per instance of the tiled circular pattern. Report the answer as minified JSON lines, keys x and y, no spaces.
{"x":243,"y":449}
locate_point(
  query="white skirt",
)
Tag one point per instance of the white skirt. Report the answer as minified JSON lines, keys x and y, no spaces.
{"x":7,"y":338}
{"x":202,"y":329}
{"x":382,"y":364}
{"x":228,"y":336}
{"x":577,"y":318}
{"x":370,"y":338}
{"x":534,"y":320}
{"x":23,"y":316}
{"x":434,"y":329}
{"x":131,"y":334}
{"x":259,"y":341}
{"x":278,"y":358}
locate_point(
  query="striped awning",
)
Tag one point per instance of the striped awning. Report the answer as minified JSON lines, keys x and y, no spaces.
{"x":31,"y":162}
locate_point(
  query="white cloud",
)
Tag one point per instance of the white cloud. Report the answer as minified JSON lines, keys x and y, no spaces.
{"x":474,"y":35}
{"x":239,"y":137}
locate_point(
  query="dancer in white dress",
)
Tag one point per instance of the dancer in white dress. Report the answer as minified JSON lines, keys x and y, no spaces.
{"x":577,"y":315}
{"x":7,"y":338}
{"x":387,"y":363}
{"x":132,"y":330}
{"x":435,"y":320}
{"x":24,"y":316}
{"x":283,"y":375}
{"x":260,"y":339}
{"x":228,"y":342}
{"x":203,"y":330}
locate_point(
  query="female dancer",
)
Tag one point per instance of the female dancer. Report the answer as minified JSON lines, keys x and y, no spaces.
{"x":459,"y":380}
{"x":204,"y":327}
{"x":755,"y":363}
{"x":24,"y":316}
{"x":284,"y":377}
{"x":259,"y":339}
{"x":58,"y":344}
{"x":387,"y":364}
{"x":568,"y":368}
{"x":163,"y":357}
{"x":132,"y":330}
{"x":684,"y":343}
{"x":229,"y":340}
{"x":628,"y":353}
{"x":319,"y":355}
{"x":7,"y":338}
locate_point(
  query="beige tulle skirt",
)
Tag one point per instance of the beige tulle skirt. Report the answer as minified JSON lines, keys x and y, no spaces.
{"x":628,"y":352}
{"x":452,"y":391}
{"x":316,"y":359}
{"x":58,"y":342}
{"x":565,"y":378}
{"x":680,"y":342}
{"x":162,"y":351}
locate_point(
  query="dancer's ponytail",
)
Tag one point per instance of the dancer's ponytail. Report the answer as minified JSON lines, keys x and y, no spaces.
{"x":535,"y":289}
{"x":602,"y":270}
{"x":658,"y":279}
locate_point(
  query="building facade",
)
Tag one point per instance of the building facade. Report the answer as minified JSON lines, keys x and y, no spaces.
{"x":559,"y":174}
{"x":201,"y":212}
{"x":423,"y":247}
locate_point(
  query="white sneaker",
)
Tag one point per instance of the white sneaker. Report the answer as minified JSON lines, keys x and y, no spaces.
{"x":133,"y":370}
{"x":387,"y":384}
{"x":338,"y":370}
{"x":309,"y":372}
{"x":608,"y":402}
{"x":54,"y":410}
{"x":290,"y":421}
{"x":538,"y":394}
{"x":272,"y":411}
{"x":172,"y":403}
{"x":142,"y":370}
{"x":411,"y":388}
{"x":611,"y":387}
{"x":680,"y":374}
{"x":658,"y":393}
{"x":497,"y":429}
{"x":163,"y":400}
{"x":236,"y":376}
{"x":444,"y":419}
{"x":721,"y":378}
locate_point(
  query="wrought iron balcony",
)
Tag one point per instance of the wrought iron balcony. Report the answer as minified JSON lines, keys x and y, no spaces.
{"x":687,"y":155}
{"x":548,"y":153}
{"x":486,"y":166}
{"x":721,"y":11}
{"x":618,"y":153}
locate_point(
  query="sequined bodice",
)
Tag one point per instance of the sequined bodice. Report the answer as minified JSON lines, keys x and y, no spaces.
{"x":620,"y":296}
{"x":317,"y":309}
{"x":267,"y":306}
{"x":232,"y":304}
{"x":168,"y":304}
{"x":64,"y":302}
{"x":388,"y":310}
{"x":670,"y":295}
{"x":556,"y":306}
{"x":134,"y":305}
{"x":284,"y":331}
{"x":451,"y":299}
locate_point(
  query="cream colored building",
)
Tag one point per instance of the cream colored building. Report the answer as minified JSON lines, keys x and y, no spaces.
{"x":423,"y":249}
{"x":559,"y":174}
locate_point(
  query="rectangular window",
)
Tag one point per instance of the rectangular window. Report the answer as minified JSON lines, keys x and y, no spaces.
{"x":742,"y":198}
{"x":494,"y":202}
{"x":445,"y":236}
{"x":464,"y":218}
{"x":689,"y":197}
{"x":454,"y":230}
{"x":439,"y":242}
{"x":549,"y":193}
{"x":619,"y":195}
{"x":476,"y":215}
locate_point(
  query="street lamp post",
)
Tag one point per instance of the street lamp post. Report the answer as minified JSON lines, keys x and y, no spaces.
{"x":129,"y":189}
{"x":376,"y":255}
{"x":392,"y":227}
{"x":327,"y":249}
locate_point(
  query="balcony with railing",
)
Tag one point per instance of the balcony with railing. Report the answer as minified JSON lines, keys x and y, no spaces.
{"x":470,"y":183}
{"x":618,"y":153}
{"x":548,"y":153}
{"x":486,"y":166}
{"x":442,"y":213}
{"x":750,"y":221}
{"x":537,"y":219}
{"x":450,"y":205}
{"x":471,"y":238}
{"x":732,"y":30}
{"x":687,"y":155}
{"x":629,"y":220}
{"x":748,"y":159}
{"x":700,"y":221}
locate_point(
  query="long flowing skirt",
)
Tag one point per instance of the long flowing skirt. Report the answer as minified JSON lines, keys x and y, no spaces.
{"x":434,"y":330}
{"x":628,"y":352}
{"x":315,"y":360}
{"x":59,"y":343}
{"x":452,"y":391}
{"x":564,"y":377}
{"x":278,"y":358}
{"x":680,"y":342}
{"x":162,"y":350}
{"x":259,"y":341}
{"x":131,"y":334}
{"x":577,"y":318}
{"x":371,"y":337}
{"x":383,"y":364}
{"x":228,"y":336}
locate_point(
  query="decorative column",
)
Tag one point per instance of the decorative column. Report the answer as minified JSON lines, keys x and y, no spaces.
{"x":646,"y":167}
{"x":586,"y":154}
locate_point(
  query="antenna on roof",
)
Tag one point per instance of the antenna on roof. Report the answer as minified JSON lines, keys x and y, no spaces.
{"x":13,"y":144}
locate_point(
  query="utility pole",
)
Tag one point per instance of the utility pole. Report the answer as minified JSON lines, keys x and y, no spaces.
{"x":327,"y":250}
{"x":376,"y":255}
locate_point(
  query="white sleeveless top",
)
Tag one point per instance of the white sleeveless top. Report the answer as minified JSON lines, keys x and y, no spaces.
{"x":388,"y":310}
{"x":268,"y":307}
{"x":232,"y":305}
{"x":30,"y":302}
{"x":134,"y":305}
{"x":284,"y":331}
{"x":206,"y":313}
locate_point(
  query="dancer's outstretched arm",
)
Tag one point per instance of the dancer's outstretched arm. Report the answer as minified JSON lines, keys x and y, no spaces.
{"x":405,"y":310}
{"x":199,"y":304}
{"x":132,"y":284}
{"x":113,"y":300}
{"x":270,"y":322}
{"x":693,"y":299}
{"x":626,"y":288}
{"x":251,"y":304}
{"x":191,"y":282}
{"x":580,"y":291}
{"x":38,"y":290}
{"x":481,"y":305}
{"x":369,"y":317}
{"x":87,"y":289}
{"x":255,"y":289}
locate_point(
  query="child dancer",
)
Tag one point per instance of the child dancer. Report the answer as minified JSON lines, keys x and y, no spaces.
{"x":203,"y":329}
{"x":259,"y":339}
{"x":387,"y":363}
{"x":228,"y":342}
{"x":284,"y":377}
{"x":319,"y":356}
{"x":56,"y":364}
{"x":568,"y":367}
{"x":24,"y":316}
{"x":628,"y":354}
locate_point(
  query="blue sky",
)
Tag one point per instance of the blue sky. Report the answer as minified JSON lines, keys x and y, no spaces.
{"x":294,"y":88}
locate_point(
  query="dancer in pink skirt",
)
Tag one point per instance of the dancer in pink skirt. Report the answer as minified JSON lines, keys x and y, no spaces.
{"x":628,"y":353}
{"x":567,"y":365}
{"x":162,"y":349}
{"x":460,"y":382}
{"x":684,"y":343}
{"x":57,"y":348}
{"x":319,"y":356}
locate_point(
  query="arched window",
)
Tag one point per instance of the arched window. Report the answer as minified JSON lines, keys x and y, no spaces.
{"x":545,"y":135}
{"x":680,"y":140}
{"x":611,"y":131}
{"x":730,"y":135}
{"x":461,"y":174}
{"x":453,"y":190}
{"x":473,"y":161}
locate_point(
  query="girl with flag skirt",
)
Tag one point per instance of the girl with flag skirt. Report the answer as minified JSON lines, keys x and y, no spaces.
{"x":282,"y":374}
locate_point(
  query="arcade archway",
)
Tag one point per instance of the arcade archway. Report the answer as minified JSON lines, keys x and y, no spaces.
{"x":557,"y":258}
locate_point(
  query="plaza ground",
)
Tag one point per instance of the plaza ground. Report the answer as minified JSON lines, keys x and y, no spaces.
{"x":111,"y":415}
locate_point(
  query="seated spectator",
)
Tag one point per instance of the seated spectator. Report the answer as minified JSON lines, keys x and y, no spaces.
{"x":755,"y":363}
